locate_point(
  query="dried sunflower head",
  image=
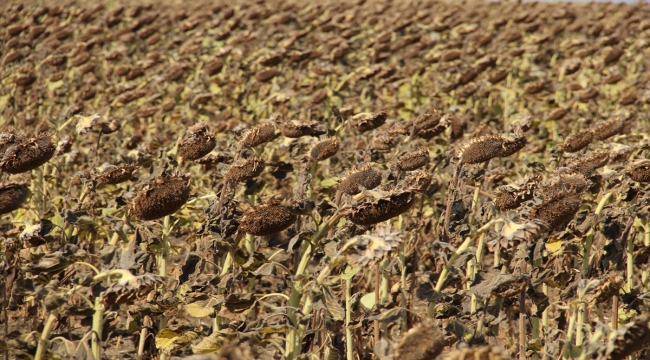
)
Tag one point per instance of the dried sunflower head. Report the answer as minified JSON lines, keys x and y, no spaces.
{"x":588,"y":164}
{"x":28,"y":154}
{"x":12,"y":197}
{"x":429,"y":125}
{"x":608,"y":128}
{"x":164,"y":196}
{"x":258,"y":135}
{"x":365,"y":249}
{"x":9,"y":137}
{"x":571,"y":65}
{"x":129,"y":290}
{"x":513,"y":144}
{"x":558,"y":113}
{"x":558,"y":209}
{"x":422,"y":342}
{"x":562,"y":182}
{"x":381,"y":206}
{"x":629,"y":339}
{"x":197,"y":142}
{"x":513,"y":195}
{"x":367,"y":121}
{"x":578,"y":141}
{"x":362,"y":175}
{"x":413,"y":159}
{"x":605,"y":288}
{"x":245,"y":169}
{"x":419,"y":181}
{"x":535,"y":87}
{"x":215,"y":159}
{"x":266,"y":219}
{"x":294,"y":129}
{"x":383,"y":141}
{"x":481,"y":149}
{"x":115,"y":174}
{"x":324,"y":149}
{"x":639,"y":170}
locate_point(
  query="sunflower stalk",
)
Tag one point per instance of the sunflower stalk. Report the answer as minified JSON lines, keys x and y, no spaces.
{"x":460,"y":251}
{"x":98,"y":320}
{"x":522,"y":324}
{"x":45,"y":334}
{"x":312,"y":174}
{"x":226,"y":264}
{"x":402,"y":268}
{"x":163,"y":260}
{"x":568,"y":342}
{"x":545,"y":321}
{"x":582,"y":309}
{"x":311,"y":294}
{"x":586,"y":250}
{"x":377,"y":287}
{"x":144,"y":332}
{"x":98,"y":314}
{"x":348,"y":318}
{"x":292,"y":348}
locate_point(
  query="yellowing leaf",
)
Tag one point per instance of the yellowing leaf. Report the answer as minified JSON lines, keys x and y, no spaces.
{"x":200,"y":309}
{"x":165,"y":339}
{"x":368,"y":301}
{"x":554,"y":247}
{"x":58,"y":220}
{"x":168,"y":339}
{"x":329,"y":182}
{"x":215,"y":89}
{"x":427,"y":212}
{"x":350,"y":272}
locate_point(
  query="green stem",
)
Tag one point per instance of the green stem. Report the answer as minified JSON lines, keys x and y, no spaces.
{"x":522,"y":324}
{"x":309,"y":301}
{"x":250,"y":248}
{"x":445,"y":271}
{"x":385,"y":281}
{"x":460,"y":251}
{"x":402,"y":268}
{"x":590,"y":235}
{"x":312,"y":172}
{"x":471,"y":271}
{"x":294,"y":302}
{"x":615,"y":311}
{"x":545,"y":321}
{"x":569,"y":334}
{"x":497,"y":257}
{"x":227,"y":263}
{"x":630,"y":263}
{"x":293,"y":342}
{"x":581,"y":320}
{"x":163,"y":258}
{"x":98,"y":319}
{"x":143,"y":337}
{"x":349,"y":348}
{"x":479,"y":251}
{"x":594,"y":338}
{"x":582,"y":309}
{"x":43,"y":340}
